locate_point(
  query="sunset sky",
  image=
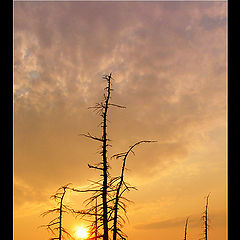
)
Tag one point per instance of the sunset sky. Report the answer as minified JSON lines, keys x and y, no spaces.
{"x":169,"y":61}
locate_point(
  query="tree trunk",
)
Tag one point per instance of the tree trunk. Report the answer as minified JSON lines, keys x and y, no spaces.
{"x":185,"y":230}
{"x":105,"y":165}
{"x":206,"y":220}
{"x":60,"y":215}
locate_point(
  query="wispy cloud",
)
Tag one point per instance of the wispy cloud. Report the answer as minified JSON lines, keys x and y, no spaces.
{"x":169,"y":64}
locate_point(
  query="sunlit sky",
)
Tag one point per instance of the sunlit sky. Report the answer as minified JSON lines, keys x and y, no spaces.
{"x":168,"y":60}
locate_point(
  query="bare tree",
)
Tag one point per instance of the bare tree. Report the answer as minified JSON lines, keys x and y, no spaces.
{"x":110,"y":190}
{"x":106,"y":200}
{"x":121,"y":188}
{"x":206,"y":219}
{"x":56,"y":224}
{"x":185,"y":229}
{"x":102,"y":110}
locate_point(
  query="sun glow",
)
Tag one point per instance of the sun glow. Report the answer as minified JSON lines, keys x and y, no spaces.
{"x":81,"y":232}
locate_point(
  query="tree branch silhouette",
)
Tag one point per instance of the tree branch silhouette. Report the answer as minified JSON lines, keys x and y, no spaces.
{"x":56,"y":224}
{"x":121,"y":182}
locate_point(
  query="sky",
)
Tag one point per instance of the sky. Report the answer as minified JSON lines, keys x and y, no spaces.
{"x":168,"y":61}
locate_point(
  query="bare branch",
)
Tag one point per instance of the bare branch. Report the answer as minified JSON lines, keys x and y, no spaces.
{"x":87,"y":190}
{"x":91,"y":166}
{"x":88,"y":135}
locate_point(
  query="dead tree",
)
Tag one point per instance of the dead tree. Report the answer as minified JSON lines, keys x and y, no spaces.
{"x":205,"y":219}
{"x":102,"y":110}
{"x":120,"y":189}
{"x":185,"y":229}
{"x":56,"y":225}
{"x":109,"y":190}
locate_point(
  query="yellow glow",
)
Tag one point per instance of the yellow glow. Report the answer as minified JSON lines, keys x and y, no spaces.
{"x":81,"y":232}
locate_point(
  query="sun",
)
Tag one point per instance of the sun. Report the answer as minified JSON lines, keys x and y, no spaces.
{"x":81,"y":232}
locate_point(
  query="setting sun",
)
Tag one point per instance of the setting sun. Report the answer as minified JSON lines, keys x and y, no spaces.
{"x":81,"y":232}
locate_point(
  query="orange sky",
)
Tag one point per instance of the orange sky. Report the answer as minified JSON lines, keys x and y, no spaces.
{"x":168,"y":60}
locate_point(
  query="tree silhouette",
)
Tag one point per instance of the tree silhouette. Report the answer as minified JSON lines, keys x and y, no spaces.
{"x":185,"y":229}
{"x":56,"y":224}
{"x":206,"y":219}
{"x":109,"y":189}
{"x":102,"y":110}
{"x":122,"y":186}
{"x":104,"y":208}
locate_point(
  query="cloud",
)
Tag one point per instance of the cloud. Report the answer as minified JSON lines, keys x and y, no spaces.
{"x":169,"y":66}
{"x":171,"y":81}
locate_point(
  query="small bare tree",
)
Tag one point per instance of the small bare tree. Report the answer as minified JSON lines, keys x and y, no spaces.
{"x":205,"y":219}
{"x":56,"y":224}
{"x":185,"y":229}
